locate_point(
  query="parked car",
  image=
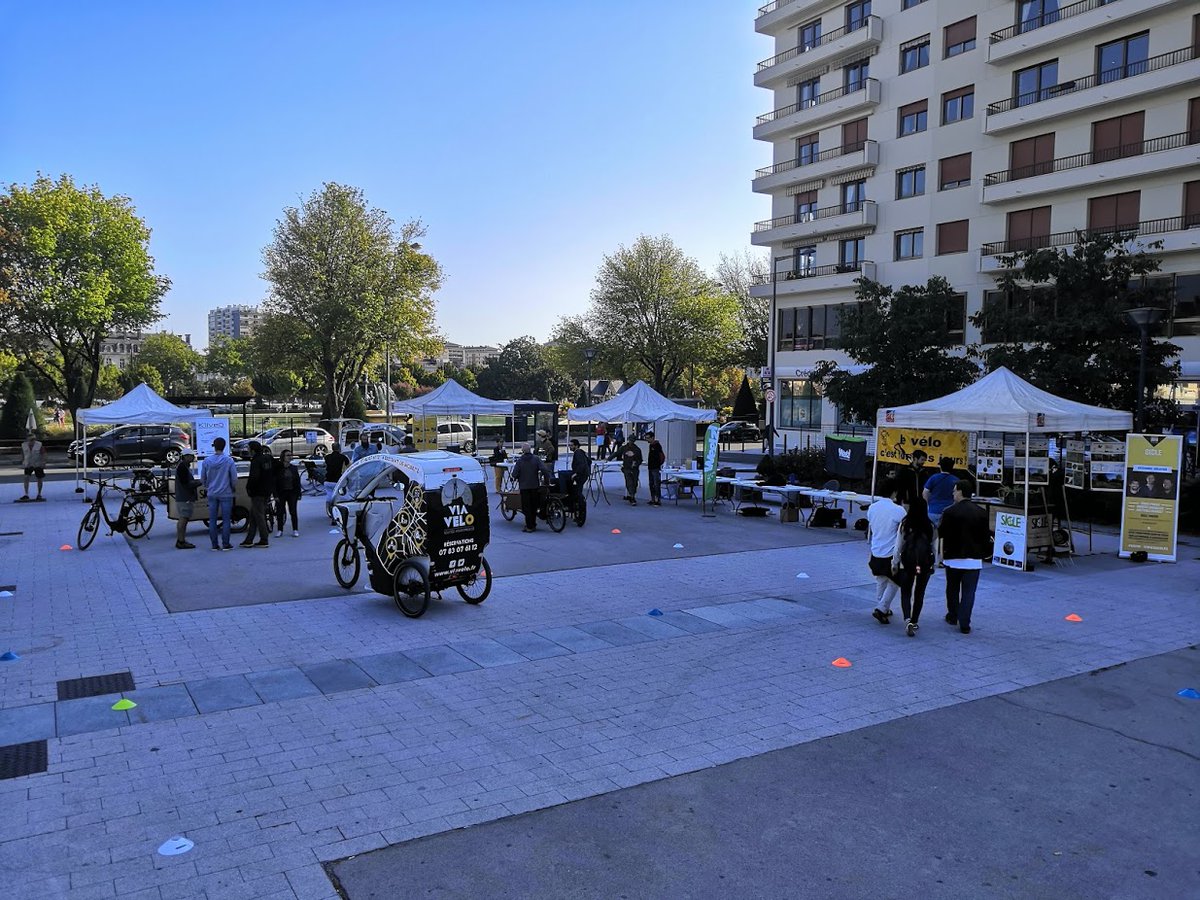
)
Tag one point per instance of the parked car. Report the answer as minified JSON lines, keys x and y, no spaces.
{"x":133,"y":443}
{"x":295,"y":439}
{"x":740,"y":432}
{"x":450,"y":434}
{"x":393,"y":435}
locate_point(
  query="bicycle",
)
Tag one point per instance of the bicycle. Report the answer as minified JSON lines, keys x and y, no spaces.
{"x":135,"y":517}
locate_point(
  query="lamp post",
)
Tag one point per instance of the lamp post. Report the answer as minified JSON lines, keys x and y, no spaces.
{"x":1143,"y":317}
{"x":589,"y":354}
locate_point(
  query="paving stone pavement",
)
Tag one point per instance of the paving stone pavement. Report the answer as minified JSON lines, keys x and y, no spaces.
{"x":558,"y":687}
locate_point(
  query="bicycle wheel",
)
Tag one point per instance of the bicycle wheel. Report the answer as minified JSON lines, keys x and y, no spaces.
{"x":509,"y":514}
{"x":556,"y":516}
{"x":346,"y":563}
{"x":239,"y":520}
{"x":477,"y":589}
{"x":580,"y":510}
{"x":139,"y":518}
{"x":411,"y":591}
{"x":88,"y":528}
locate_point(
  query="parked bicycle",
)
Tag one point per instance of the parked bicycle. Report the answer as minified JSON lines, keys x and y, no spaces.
{"x":135,"y":517}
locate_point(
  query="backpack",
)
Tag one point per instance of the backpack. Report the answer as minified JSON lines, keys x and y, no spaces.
{"x":917,"y":552}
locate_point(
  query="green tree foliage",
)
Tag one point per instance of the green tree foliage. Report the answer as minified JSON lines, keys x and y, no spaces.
{"x":465,"y":377}
{"x":900,"y":336}
{"x":229,"y":357}
{"x":139,"y":373}
{"x":175,"y":361}
{"x":356,"y":407}
{"x":653,"y":313}
{"x":345,"y":286}
{"x":108,"y":385}
{"x":1063,"y":325}
{"x":524,"y":371}
{"x":19,"y":402}
{"x":74,"y":266}
{"x":735,"y":275}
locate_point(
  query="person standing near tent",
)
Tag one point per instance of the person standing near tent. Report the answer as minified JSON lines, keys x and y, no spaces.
{"x":220,"y":486}
{"x":883,"y":525}
{"x":260,"y":485}
{"x":185,"y":498}
{"x":618,"y":438}
{"x":910,"y":476}
{"x":529,"y":471}
{"x":363,"y":449}
{"x":654,"y":463}
{"x":602,"y":439}
{"x":631,"y":464}
{"x":33,"y":463}
{"x":966,"y":541}
{"x":581,"y":469}
{"x":939,"y":490}
{"x":287,"y":494}
{"x":499,"y":455}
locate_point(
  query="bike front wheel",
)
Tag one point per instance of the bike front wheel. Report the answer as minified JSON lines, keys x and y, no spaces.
{"x":477,"y":589}
{"x":88,"y":528}
{"x":556,"y":515}
{"x":139,"y":518}
{"x":346,"y":563}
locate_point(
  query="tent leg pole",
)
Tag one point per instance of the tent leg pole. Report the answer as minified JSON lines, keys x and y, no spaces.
{"x":1027,"y":496}
{"x":875,"y":462}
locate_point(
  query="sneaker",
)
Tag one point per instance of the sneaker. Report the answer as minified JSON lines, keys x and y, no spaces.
{"x":910,"y":628}
{"x":881,"y":617}
{"x":951,"y":619}
{"x":633,"y":503}
{"x":39,"y":499}
{"x":22,"y":499}
{"x":965,"y":629}
{"x":279,"y":534}
{"x":246,"y":545}
{"x":260,"y":544}
{"x":295,"y":534}
{"x":227,"y":547}
{"x":184,"y":545}
{"x":216,"y":549}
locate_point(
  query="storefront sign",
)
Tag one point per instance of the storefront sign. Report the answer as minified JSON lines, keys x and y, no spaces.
{"x":897,"y":445}
{"x":1009,"y":548}
{"x":1150,"y":511}
{"x":208,"y":430}
{"x":712,"y":437}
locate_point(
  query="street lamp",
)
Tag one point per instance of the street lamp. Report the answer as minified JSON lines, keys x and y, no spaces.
{"x":1143,"y":317}
{"x":589,"y":354}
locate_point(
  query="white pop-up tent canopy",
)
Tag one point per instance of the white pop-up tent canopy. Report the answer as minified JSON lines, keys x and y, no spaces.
{"x":452,"y":399}
{"x":641,"y":403}
{"x":141,"y":406}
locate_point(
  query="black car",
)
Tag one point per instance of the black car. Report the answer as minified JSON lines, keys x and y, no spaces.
{"x":740,"y":432}
{"x":134,"y":443}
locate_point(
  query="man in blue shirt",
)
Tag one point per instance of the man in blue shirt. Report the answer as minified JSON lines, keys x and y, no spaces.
{"x":220,"y":485}
{"x":363,"y":448}
{"x":939,"y":490}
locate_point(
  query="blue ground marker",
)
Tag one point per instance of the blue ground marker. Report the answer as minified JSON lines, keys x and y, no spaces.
{"x":1189,"y":693}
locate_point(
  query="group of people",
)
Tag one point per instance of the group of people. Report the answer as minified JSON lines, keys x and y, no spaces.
{"x":904,"y":528}
{"x":631,"y":465}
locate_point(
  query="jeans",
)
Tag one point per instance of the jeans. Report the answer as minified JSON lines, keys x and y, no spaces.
{"x":655,"y":485}
{"x":911,"y":603}
{"x":286,"y":503}
{"x":631,"y":484}
{"x":219,"y":509}
{"x":258,"y":521}
{"x":960,"y":593}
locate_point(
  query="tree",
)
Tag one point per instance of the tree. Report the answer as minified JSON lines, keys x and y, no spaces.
{"x":108,"y":385}
{"x":345,"y":286}
{"x":19,"y":402}
{"x":356,"y":407}
{"x":74,"y":266}
{"x":900,"y":337}
{"x":736,"y":274}
{"x":139,"y":373}
{"x":175,"y":361}
{"x":1063,"y":323}
{"x":523,"y":371}
{"x":654,"y":312}
{"x":228,"y":357}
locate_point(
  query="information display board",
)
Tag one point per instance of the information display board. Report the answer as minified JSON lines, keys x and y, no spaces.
{"x":989,"y":459}
{"x":1107,"y":468}
{"x":1009,"y":547}
{"x":1150,"y":511}
{"x":208,"y":430}
{"x":1075,"y":465}
{"x":897,"y":445}
{"x":1039,"y":460}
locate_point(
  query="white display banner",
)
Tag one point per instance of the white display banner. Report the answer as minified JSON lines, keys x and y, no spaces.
{"x":207,"y":430}
{"x":1009,"y":548}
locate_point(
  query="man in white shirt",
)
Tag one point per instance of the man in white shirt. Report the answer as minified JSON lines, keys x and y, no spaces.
{"x":883,"y":524}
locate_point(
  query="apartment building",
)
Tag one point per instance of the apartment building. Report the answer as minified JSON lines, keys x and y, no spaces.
{"x":465,"y":356}
{"x":919,"y":137}
{"x":236,"y":320}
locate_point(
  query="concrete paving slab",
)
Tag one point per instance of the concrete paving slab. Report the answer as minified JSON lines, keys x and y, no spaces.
{"x":651,"y":626}
{"x":225,"y":692}
{"x":337,"y":675}
{"x":170,"y":701}
{"x":390,"y":668}
{"x":574,"y":639}
{"x":440,"y":660}
{"x":617,"y":635}
{"x":689,"y":623}
{"x":487,"y":653}
{"x":287,"y":683}
{"x":21,"y":724}
{"x":88,"y":714}
{"x":723,"y":614}
{"x":532,"y":646}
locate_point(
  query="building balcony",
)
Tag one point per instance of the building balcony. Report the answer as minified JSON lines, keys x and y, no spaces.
{"x":774,"y":71}
{"x":1066,"y":24}
{"x":785,"y":13}
{"x":1158,"y":73}
{"x":830,"y":162}
{"x":818,"y":223}
{"x":817,"y":111}
{"x":813,"y":278}
{"x":1089,"y":170}
{"x":1178,"y":234}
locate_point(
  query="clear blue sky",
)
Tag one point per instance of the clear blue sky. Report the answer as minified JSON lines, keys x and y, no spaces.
{"x":531,"y":137}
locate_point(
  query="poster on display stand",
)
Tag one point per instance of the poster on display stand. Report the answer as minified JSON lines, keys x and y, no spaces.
{"x":1039,"y":460}
{"x":1107,"y":469}
{"x":1009,"y":547}
{"x":1150,"y":510}
{"x":1075,"y":465}
{"x":208,"y":430}
{"x":989,"y":459}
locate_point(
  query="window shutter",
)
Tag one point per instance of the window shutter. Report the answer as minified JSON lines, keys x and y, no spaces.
{"x":1128,"y":208}
{"x":952,"y":237}
{"x":960,"y":32}
{"x":958,"y":92}
{"x":853,"y":135}
{"x":1191,"y":204}
{"x":954,"y":168}
{"x":913,"y":108}
{"x":1102,"y":213}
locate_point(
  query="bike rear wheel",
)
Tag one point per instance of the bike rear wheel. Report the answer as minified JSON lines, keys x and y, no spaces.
{"x":411,"y":591}
{"x":477,"y":589}
{"x":88,"y":528}
{"x":139,"y":518}
{"x":556,"y":515}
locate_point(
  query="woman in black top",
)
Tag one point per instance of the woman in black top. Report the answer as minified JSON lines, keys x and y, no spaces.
{"x":287,"y":493}
{"x":499,"y":455}
{"x":912,"y":564}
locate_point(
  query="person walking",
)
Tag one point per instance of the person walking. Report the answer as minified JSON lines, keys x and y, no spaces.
{"x":883,"y":525}
{"x":33,"y":463}
{"x":529,"y":472}
{"x":219,"y":474}
{"x":655,"y":457}
{"x":260,"y":486}
{"x":939,"y":494}
{"x":499,"y":455}
{"x":966,"y":542}
{"x":185,"y":498}
{"x":335,"y":464}
{"x":912,"y":562}
{"x":631,"y":463}
{"x":287,"y":494}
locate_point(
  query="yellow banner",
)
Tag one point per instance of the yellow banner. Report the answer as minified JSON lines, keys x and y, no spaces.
{"x":1150,"y":511}
{"x":897,"y":445}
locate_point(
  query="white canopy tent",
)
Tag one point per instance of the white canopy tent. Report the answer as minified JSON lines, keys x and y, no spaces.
{"x":452,"y":399}
{"x":641,"y":403}
{"x":1002,"y":401}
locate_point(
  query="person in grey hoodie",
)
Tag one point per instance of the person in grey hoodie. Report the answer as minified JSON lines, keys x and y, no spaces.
{"x":220,"y":485}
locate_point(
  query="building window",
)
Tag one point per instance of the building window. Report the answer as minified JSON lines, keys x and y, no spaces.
{"x":851,"y":253}
{"x":804,"y":260}
{"x":959,"y":37}
{"x":806,"y":206}
{"x":910,"y":182}
{"x":1031,"y":156}
{"x":799,"y":403}
{"x":954,"y":172}
{"x":785,"y":330}
{"x":1123,"y":58}
{"x":853,"y":195}
{"x":952,"y":237}
{"x":1114,"y":212}
{"x":914,"y":54}
{"x":807,"y":149}
{"x":854,"y":135}
{"x":910,"y":244}
{"x":958,"y":105}
{"x":807,"y":93}
{"x":1118,"y":137}
{"x":956,"y":321}
{"x":1033,"y":14}
{"x":1193,"y":129}
{"x":855,"y":76}
{"x":1036,"y":83}
{"x":914,"y":118}
{"x":1028,"y":228}
{"x":909,"y":4}
{"x":857,"y":14}
{"x":810,"y":36}
{"x":1191,"y":204}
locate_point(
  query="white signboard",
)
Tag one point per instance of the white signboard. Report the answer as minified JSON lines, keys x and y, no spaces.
{"x":207,"y":430}
{"x":1009,"y":549}
{"x":310,"y":437}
